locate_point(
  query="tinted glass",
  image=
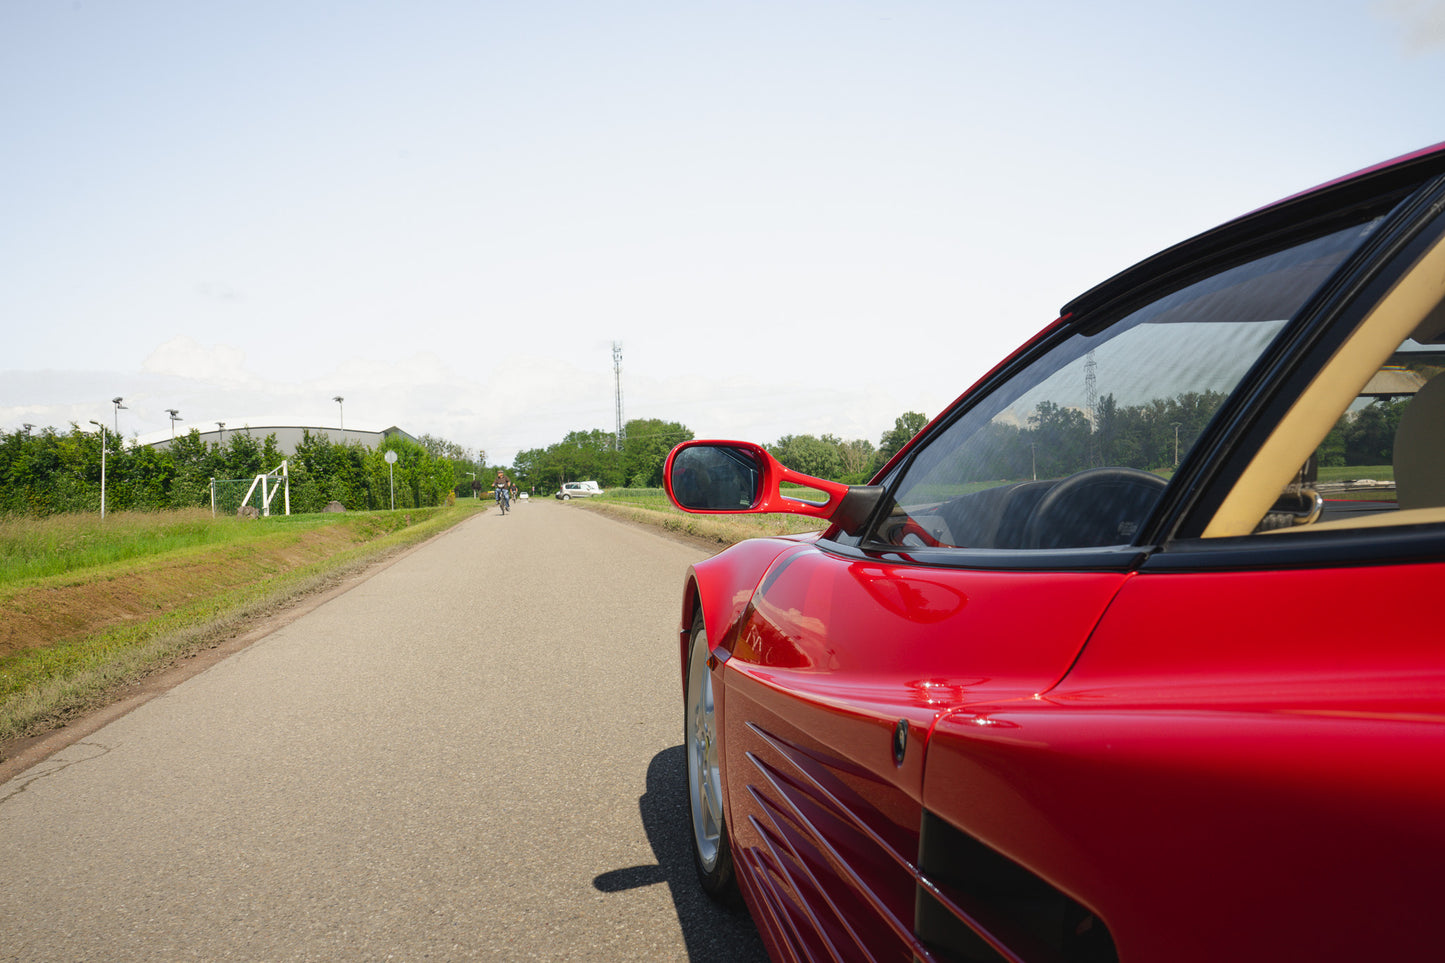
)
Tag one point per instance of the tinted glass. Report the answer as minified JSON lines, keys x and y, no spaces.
{"x":1076,"y":449}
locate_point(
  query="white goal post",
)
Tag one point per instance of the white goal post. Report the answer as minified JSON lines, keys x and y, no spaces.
{"x":277,"y":480}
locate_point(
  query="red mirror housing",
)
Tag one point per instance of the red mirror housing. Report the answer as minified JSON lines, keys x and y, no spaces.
{"x":741,"y":478}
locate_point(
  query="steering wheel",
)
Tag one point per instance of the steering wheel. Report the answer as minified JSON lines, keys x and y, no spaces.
{"x":1097,"y":506}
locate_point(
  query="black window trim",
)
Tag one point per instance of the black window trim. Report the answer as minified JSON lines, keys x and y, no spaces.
{"x":1336,"y":548}
{"x":1112,"y":558}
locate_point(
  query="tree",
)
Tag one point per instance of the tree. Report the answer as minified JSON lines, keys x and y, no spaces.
{"x":1370,"y":434}
{"x":1061,"y":439}
{"x":442,"y":448}
{"x":858,"y":460}
{"x":809,"y":455}
{"x":905,"y":426}
{"x":646,"y":447}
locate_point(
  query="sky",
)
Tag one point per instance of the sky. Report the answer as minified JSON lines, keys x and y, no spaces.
{"x":794,"y":217}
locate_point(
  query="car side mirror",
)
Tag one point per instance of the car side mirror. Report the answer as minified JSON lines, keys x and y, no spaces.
{"x":738,"y":477}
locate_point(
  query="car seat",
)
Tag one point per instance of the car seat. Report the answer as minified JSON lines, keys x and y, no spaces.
{"x":1419,"y":455}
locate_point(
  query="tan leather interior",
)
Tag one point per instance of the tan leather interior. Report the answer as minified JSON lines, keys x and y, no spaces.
{"x":1420,"y":448}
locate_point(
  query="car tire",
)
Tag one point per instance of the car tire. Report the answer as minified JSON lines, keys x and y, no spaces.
{"x":711,"y":850}
{"x":566,"y":498}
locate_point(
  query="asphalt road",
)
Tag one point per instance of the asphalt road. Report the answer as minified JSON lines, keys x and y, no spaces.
{"x":474,"y":754}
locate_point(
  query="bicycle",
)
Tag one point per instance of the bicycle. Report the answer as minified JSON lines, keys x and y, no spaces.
{"x":504,"y":499}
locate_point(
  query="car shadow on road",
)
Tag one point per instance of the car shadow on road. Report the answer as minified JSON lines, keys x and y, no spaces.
{"x":712,"y":932}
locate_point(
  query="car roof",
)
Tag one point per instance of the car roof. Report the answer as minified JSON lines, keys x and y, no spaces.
{"x":1331,"y":198}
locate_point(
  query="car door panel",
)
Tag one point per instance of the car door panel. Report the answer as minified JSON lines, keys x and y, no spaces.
{"x":1226,"y":729}
{"x":823,"y":811}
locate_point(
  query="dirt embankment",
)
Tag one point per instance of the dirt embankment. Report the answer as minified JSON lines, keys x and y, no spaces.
{"x":63,"y":608}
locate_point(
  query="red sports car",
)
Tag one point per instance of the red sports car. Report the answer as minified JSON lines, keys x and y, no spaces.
{"x":1131,"y":653}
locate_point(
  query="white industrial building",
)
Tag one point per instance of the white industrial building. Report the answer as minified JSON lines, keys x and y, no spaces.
{"x":289,"y":436}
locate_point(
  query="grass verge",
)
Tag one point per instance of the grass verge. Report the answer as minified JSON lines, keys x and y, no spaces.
{"x":74,"y":639}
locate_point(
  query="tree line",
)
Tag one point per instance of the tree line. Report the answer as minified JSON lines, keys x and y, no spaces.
{"x":49,"y":472}
{"x":646,"y":442}
{"x":595,"y":456}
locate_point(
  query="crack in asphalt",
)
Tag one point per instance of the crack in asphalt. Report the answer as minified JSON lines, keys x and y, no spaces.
{"x":58,"y":763}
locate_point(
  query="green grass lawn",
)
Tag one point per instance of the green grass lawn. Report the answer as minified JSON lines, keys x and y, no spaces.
{"x":1340,"y":473}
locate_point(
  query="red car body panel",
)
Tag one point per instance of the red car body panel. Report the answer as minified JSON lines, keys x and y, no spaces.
{"x":723,"y":586}
{"x":1176,"y":741}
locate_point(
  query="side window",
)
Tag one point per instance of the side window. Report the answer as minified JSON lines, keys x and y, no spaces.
{"x":1364,"y":445}
{"x":1076,"y":449}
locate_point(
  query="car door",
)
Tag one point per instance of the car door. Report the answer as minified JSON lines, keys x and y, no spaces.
{"x":1010,"y":529}
{"x":1243,"y":762}
{"x":839,"y":670}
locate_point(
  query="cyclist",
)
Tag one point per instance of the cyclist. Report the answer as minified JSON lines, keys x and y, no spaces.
{"x":502,"y":491}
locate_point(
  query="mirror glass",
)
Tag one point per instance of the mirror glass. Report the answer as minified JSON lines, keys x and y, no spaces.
{"x":713,"y":478}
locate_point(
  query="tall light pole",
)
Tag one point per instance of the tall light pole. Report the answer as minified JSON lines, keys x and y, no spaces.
{"x":118,"y":406}
{"x":175,"y":416}
{"x":221,"y":426}
{"x":101,"y":428}
{"x":617,"y":370}
{"x":1176,"y":443}
{"x":340,"y":412}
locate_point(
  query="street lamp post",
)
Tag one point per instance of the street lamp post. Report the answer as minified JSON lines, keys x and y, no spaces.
{"x":1176,"y":443}
{"x":341,"y":412}
{"x":221,"y":427}
{"x":118,"y":406}
{"x":175,"y":416}
{"x":101,"y":428}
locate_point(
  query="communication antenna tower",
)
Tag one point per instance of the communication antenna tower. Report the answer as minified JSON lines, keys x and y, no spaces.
{"x":617,"y":372}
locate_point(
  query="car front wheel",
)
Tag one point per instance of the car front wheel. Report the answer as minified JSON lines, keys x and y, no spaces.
{"x":710,"y":849}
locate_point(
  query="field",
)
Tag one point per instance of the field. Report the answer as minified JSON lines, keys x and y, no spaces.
{"x":88,"y":607}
